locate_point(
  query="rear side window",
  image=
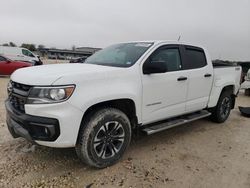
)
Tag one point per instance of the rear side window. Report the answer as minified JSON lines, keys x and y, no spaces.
{"x":195,"y":58}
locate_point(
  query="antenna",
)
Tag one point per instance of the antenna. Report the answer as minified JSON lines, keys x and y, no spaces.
{"x":179,"y":38}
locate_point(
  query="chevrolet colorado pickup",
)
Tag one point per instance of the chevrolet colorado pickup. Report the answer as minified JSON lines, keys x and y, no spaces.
{"x":96,"y":106}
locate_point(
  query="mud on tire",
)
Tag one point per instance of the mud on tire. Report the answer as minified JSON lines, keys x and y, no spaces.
{"x":222,"y":110}
{"x":103,"y":138}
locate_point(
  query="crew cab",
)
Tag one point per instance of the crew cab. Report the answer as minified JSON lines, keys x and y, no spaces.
{"x":95,"y":106}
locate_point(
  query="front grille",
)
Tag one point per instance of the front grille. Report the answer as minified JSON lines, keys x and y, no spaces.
{"x":17,"y":102}
{"x":21,"y":87}
{"x":18,"y":94}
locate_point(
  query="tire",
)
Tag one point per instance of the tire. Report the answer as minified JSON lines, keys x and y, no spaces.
{"x":103,"y":137}
{"x":222,"y":110}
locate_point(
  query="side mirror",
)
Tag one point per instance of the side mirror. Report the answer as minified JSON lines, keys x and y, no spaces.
{"x":8,"y":61}
{"x":153,"y":67}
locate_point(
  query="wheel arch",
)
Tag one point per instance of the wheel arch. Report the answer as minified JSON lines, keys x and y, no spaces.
{"x":216,"y":95}
{"x":126,"y":105}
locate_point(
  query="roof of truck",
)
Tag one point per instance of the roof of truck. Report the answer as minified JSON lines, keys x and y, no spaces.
{"x":168,"y":42}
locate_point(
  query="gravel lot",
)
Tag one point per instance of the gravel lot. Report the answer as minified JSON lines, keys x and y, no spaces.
{"x":198,"y":154}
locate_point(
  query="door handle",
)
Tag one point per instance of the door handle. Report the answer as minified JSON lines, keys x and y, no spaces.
{"x":207,"y":75}
{"x":182,"y":78}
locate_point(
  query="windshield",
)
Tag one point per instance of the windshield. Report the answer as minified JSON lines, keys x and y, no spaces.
{"x":119,"y":55}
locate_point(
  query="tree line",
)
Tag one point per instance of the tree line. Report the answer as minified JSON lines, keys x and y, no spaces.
{"x":31,"y":47}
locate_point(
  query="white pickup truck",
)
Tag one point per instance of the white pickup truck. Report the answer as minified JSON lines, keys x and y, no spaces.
{"x":95,"y":106}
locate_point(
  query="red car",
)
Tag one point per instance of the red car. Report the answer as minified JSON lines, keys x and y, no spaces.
{"x":7,"y":66}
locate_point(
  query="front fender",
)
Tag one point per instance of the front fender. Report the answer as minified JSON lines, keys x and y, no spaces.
{"x":99,"y":100}
{"x":92,"y":92}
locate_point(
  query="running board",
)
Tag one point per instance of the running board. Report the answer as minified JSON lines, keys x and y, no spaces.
{"x":173,"y":122}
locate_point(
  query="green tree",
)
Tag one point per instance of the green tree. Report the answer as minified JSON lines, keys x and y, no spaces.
{"x":31,"y":47}
{"x":12,"y":44}
{"x":40,"y":46}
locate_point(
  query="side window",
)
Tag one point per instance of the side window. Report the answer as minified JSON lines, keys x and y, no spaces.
{"x":2,"y":59}
{"x":171,"y":56}
{"x":27,"y":53}
{"x":195,"y":58}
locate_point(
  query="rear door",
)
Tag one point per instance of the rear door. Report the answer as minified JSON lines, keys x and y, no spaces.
{"x":200,"y":77}
{"x":164,"y":94}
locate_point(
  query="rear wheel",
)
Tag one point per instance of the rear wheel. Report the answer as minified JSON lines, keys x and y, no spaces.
{"x":221,"y":112}
{"x":104,"y":138}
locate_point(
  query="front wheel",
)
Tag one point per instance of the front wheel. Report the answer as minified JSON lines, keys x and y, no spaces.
{"x":221,"y":112}
{"x":104,"y":137}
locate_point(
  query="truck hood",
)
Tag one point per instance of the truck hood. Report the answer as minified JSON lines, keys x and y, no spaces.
{"x":49,"y":74}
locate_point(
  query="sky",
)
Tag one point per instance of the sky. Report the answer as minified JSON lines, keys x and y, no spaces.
{"x":222,"y":26}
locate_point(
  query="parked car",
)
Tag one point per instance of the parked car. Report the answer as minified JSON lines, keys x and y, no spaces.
{"x":61,"y":57}
{"x":20,"y":54}
{"x":7,"y":66}
{"x":78,"y":60}
{"x":52,"y":56}
{"x":95,"y":106}
{"x":246,"y":84}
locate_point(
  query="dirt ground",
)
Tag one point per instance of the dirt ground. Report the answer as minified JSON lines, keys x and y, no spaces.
{"x":198,"y":154}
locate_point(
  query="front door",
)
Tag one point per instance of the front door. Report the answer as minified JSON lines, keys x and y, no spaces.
{"x":164,"y":94}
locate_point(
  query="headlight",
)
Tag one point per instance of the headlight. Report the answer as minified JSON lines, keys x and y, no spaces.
{"x":9,"y":88}
{"x":43,"y":95}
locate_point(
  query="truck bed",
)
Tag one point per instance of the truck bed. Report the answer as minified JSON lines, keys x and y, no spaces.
{"x":228,"y":73}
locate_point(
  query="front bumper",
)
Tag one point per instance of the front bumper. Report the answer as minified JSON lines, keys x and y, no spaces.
{"x":66,"y":116}
{"x":39,"y":62}
{"x":31,"y":127}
